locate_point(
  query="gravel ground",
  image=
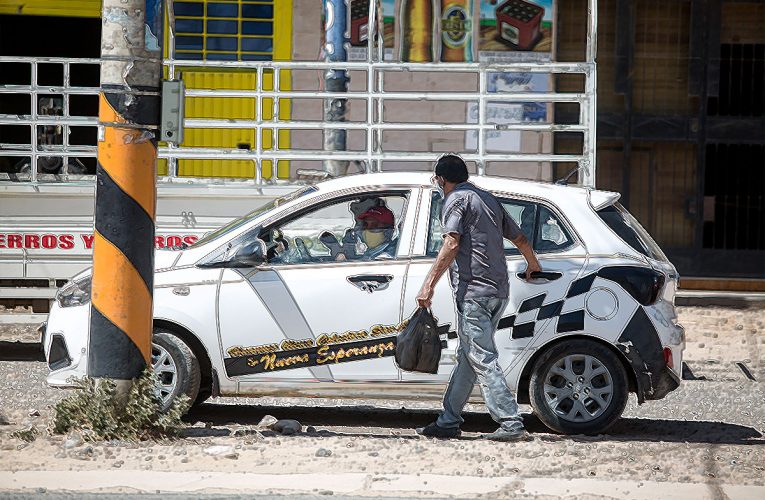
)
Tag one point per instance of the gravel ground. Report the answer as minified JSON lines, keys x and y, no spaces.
{"x":708,"y":432}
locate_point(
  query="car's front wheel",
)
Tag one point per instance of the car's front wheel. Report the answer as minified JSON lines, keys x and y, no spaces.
{"x":176,"y":367}
{"x":578,"y":387}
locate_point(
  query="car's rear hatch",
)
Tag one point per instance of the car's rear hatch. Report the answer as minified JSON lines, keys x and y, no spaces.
{"x":661,"y":286}
{"x":621,"y":222}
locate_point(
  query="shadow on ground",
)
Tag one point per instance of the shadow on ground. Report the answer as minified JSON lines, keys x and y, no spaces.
{"x":626,"y":429}
{"x":21,"y":351}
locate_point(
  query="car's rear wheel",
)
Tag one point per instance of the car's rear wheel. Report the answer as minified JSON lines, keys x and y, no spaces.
{"x":176,"y":367}
{"x":578,"y":387}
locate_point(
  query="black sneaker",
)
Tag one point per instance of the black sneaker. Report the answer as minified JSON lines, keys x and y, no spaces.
{"x":508,"y":436}
{"x":435,"y":430}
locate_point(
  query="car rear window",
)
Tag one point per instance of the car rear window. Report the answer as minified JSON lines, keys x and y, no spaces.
{"x":629,"y":229}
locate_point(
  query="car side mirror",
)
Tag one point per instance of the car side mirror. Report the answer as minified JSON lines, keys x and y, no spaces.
{"x":250,"y":253}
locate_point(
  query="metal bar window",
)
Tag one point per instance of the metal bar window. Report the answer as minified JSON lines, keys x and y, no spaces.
{"x":743,"y":94}
{"x":224,"y":30}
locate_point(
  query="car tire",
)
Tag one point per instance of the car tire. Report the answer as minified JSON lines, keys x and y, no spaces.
{"x":176,"y":368}
{"x":570,"y":399}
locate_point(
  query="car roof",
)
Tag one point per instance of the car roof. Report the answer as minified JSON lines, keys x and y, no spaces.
{"x":546,"y":190}
{"x":575,"y":202}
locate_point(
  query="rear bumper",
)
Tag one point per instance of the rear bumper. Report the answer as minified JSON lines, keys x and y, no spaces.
{"x":664,"y":382}
{"x":654,"y":378}
{"x":640,"y":344}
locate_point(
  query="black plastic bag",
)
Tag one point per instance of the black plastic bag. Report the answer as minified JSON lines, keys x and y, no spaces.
{"x":418,"y":346}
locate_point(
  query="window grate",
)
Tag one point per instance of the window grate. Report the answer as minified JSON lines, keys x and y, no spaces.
{"x":742,"y":81}
{"x":734,"y":207}
{"x":224,"y":30}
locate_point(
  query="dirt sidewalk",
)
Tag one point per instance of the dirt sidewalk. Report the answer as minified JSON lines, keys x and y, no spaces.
{"x":702,"y":441}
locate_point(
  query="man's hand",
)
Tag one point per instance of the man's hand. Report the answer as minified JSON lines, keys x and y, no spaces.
{"x":445,"y":257}
{"x":523,"y":245}
{"x":425,"y":297}
{"x":533,"y":267}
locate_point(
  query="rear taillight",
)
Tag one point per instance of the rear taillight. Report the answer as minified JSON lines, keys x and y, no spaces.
{"x":658,"y":284}
{"x":644,"y":284}
{"x":668,"y":357}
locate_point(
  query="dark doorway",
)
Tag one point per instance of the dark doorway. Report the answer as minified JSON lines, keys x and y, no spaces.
{"x":734,"y":209}
{"x":42,"y":36}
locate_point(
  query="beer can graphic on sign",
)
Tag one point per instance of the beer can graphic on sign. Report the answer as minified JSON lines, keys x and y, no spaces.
{"x":417,"y":29}
{"x":456,"y":31}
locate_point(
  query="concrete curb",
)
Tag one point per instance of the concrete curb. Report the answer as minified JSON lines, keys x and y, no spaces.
{"x":704,"y":298}
{"x":361,"y":484}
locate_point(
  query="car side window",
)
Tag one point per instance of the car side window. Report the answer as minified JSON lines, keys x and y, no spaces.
{"x":540,"y":226}
{"x":524,"y":214}
{"x":436,"y":230}
{"x":353,"y":229}
{"x":551,"y":234}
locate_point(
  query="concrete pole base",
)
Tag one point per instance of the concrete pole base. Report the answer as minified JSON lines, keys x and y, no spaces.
{"x":122,"y":389}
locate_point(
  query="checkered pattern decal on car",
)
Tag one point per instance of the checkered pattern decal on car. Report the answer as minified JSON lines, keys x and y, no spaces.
{"x":533,"y":310}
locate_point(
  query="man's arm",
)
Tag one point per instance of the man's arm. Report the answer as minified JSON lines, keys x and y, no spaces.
{"x":455,"y":211}
{"x":445,"y":257}
{"x":512,"y":232}
{"x":522,"y":244}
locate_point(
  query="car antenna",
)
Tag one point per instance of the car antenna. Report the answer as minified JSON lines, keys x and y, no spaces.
{"x":564,"y":180}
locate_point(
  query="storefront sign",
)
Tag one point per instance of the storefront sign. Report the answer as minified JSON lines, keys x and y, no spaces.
{"x":78,"y":241}
{"x":508,"y":113}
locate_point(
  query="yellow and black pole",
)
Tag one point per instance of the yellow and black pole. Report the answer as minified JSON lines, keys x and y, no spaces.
{"x":119,"y":346}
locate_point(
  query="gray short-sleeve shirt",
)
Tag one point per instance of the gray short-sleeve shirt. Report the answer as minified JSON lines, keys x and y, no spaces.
{"x":480,"y":269}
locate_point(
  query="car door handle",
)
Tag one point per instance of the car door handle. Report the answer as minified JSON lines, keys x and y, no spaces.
{"x":370,"y":282}
{"x":544,"y":275}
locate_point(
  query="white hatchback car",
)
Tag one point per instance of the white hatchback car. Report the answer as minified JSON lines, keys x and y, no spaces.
{"x":264,"y":305}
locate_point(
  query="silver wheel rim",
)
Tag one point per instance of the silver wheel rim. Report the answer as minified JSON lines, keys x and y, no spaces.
{"x":166,"y":371}
{"x":578,"y":388}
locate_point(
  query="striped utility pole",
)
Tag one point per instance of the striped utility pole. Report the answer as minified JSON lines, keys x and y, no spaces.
{"x":119,"y":346}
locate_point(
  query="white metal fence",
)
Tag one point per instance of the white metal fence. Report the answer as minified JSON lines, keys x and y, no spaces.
{"x":22,"y":178}
{"x":372,"y":157}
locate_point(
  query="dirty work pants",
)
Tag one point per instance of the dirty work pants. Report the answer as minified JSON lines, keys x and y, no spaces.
{"x":477,"y":359}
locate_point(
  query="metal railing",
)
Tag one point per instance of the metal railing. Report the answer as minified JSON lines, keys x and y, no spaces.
{"x":375,"y":96}
{"x":35,"y":91}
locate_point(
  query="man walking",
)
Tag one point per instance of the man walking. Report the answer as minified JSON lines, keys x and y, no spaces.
{"x":474,"y":224}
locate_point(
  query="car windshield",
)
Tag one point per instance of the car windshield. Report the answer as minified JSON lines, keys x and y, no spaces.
{"x":237,"y":223}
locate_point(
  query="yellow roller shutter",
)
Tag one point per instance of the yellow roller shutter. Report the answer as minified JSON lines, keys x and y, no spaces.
{"x":230,"y":107}
{"x":232,"y":30}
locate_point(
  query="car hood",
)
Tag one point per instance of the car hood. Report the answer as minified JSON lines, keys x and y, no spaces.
{"x":164,"y":259}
